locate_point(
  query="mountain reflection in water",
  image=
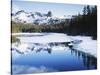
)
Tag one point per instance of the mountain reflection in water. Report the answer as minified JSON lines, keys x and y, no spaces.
{"x":66,"y":59}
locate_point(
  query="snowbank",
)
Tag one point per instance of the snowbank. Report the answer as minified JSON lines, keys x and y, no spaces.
{"x":43,"y":37}
{"x":88,"y":45}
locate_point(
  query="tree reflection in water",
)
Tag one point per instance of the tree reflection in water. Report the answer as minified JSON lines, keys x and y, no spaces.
{"x":88,"y":60}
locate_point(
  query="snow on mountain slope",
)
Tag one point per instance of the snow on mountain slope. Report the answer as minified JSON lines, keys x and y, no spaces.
{"x":35,"y":18}
{"x":22,"y":17}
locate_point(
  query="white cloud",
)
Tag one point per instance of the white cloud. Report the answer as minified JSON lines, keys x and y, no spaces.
{"x":24,"y":69}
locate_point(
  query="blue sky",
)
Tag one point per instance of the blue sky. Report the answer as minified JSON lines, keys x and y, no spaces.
{"x":57,"y":9}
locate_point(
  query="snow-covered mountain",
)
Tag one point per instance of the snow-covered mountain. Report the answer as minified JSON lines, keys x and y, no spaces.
{"x":35,"y":18}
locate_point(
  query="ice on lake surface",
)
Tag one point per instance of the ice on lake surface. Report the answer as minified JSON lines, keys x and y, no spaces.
{"x":50,"y":52}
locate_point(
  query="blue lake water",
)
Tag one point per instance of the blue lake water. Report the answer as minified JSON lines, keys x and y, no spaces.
{"x":57,"y":60}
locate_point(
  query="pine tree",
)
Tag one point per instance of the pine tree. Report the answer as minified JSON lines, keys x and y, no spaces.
{"x":84,"y":11}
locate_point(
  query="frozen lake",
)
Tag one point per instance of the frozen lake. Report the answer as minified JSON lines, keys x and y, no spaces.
{"x":52,"y":52}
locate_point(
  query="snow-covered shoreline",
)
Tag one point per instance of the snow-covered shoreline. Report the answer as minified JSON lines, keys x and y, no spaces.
{"x":87,"y":45}
{"x":43,"y":38}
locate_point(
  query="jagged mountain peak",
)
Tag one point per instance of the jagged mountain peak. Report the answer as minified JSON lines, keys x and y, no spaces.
{"x":35,"y":18}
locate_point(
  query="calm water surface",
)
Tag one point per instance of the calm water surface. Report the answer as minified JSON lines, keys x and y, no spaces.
{"x":60,"y":60}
